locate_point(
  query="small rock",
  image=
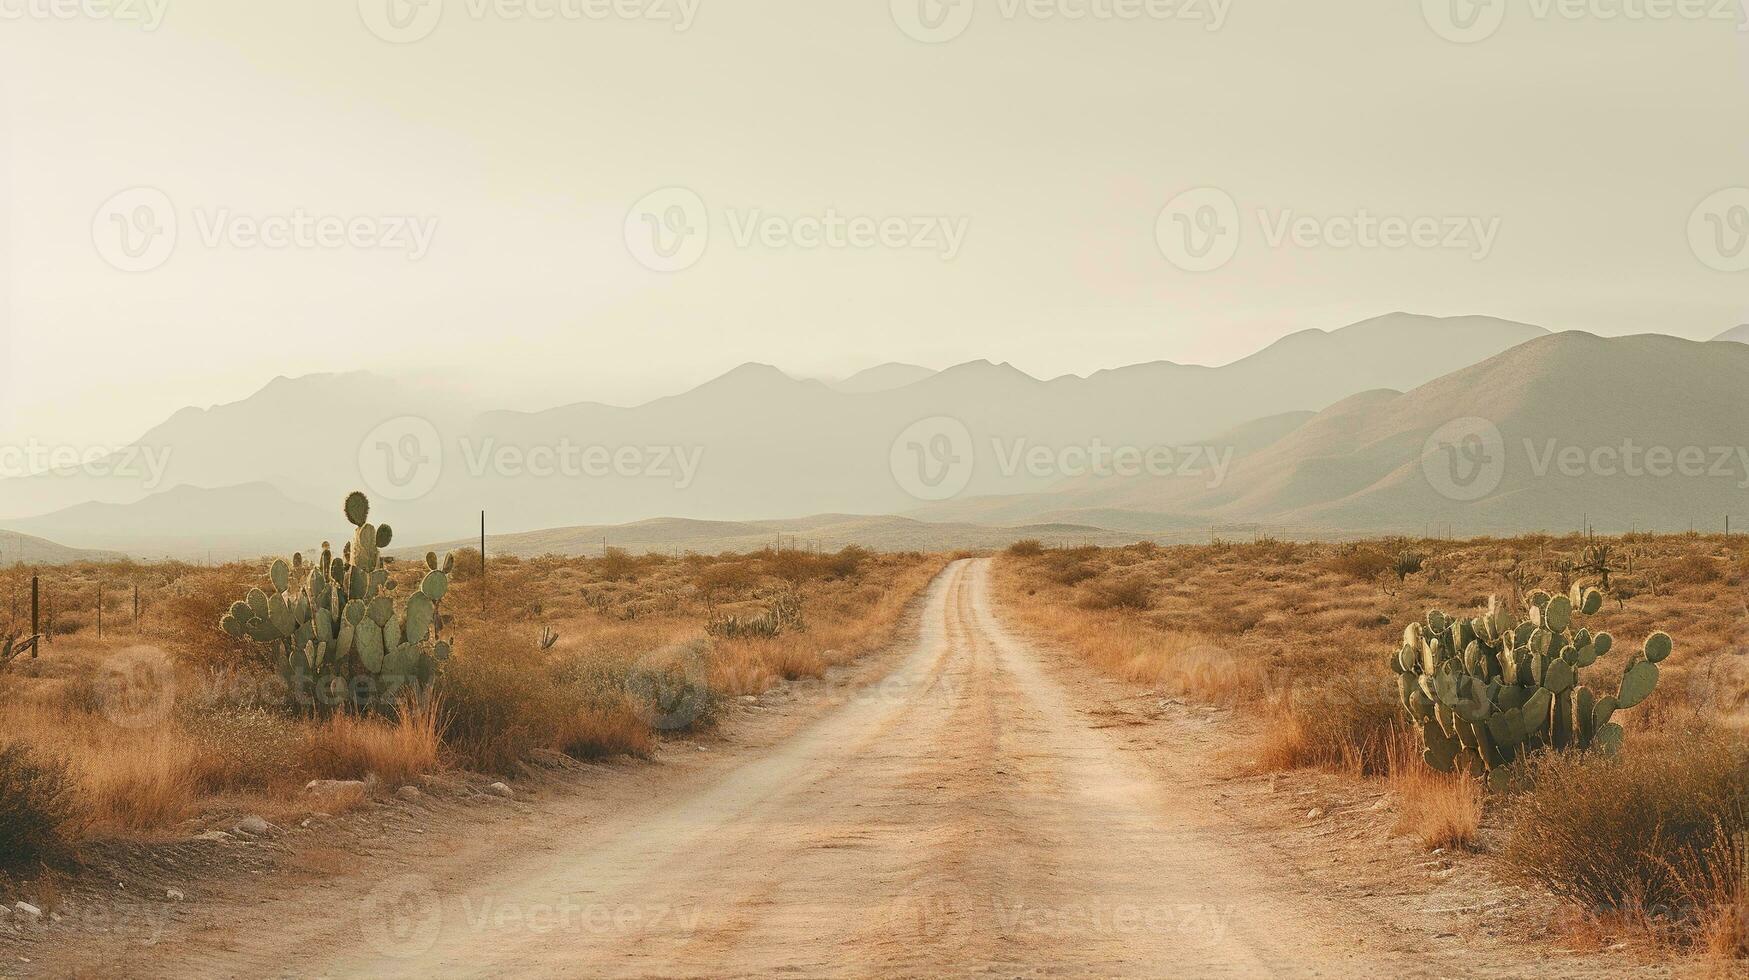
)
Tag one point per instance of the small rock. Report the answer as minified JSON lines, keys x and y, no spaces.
{"x":253,"y":825}
{"x":29,"y":909}
{"x":214,"y":835}
{"x":1314,"y":813}
{"x":499,"y":789}
{"x":175,"y":895}
{"x":408,"y":793}
{"x":748,"y":699}
{"x":336,"y":786}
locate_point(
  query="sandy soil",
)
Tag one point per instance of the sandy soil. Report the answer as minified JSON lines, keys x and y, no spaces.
{"x":968,"y":805}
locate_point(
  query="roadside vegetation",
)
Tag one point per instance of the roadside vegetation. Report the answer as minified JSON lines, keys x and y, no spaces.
{"x":1649,"y":840}
{"x":168,"y":721}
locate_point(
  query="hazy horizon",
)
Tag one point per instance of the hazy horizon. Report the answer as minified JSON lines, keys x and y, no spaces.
{"x":499,"y":161}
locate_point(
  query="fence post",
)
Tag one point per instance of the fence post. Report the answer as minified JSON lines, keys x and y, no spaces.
{"x":35,"y":608}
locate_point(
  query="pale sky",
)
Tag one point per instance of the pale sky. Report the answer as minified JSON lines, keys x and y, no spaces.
{"x":1580,"y":147}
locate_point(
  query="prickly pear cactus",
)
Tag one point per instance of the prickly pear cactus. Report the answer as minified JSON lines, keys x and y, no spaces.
{"x":1486,"y":692}
{"x":339,"y":634}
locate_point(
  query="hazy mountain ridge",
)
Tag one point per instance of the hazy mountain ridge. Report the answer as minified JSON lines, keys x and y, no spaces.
{"x":754,"y":443}
{"x":1358,"y":465}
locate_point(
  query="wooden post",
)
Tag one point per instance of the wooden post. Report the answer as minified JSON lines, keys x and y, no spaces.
{"x":136,"y":606}
{"x":100,"y":610}
{"x":482,"y":563}
{"x":35,"y":625}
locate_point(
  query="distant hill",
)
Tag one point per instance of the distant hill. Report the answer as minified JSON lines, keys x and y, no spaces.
{"x":192,"y":523}
{"x":1378,"y":461}
{"x":754,"y":443}
{"x":829,"y":532}
{"x":25,"y":549}
{"x":1736,"y":334}
{"x":883,"y":378}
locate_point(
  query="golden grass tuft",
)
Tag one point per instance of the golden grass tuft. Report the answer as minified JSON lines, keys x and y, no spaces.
{"x":1441,"y":810}
{"x":396,"y":751}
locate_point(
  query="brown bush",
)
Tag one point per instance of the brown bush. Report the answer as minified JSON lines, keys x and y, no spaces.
{"x":1026,"y":548}
{"x":1693,"y":569}
{"x":39,"y":810}
{"x":1359,"y":562}
{"x":1127,"y":592}
{"x":1659,"y":834}
{"x":1347,"y":723}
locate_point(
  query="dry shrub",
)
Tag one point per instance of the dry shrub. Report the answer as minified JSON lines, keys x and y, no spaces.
{"x":1359,"y":562}
{"x":498,"y":702}
{"x":189,"y":616}
{"x":1027,"y":548}
{"x":1345,"y":724}
{"x":1437,"y":808}
{"x":1128,"y":592}
{"x":142,"y":782}
{"x":1693,"y":569}
{"x":599,"y":733}
{"x":398,"y":750}
{"x":1657,"y":837}
{"x":502,"y":699}
{"x":40,"y":813}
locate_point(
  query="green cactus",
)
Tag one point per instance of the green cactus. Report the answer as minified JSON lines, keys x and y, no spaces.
{"x":1486,"y":692}
{"x":337,"y":632}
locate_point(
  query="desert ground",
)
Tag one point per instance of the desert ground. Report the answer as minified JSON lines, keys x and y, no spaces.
{"x":974,"y":790}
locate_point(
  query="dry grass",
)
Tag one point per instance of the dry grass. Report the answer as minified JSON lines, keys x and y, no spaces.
{"x":1441,"y":810}
{"x":1658,"y":834}
{"x":1298,"y":634}
{"x":172,"y":719}
{"x":39,"y":809}
{"x":347,"y":746}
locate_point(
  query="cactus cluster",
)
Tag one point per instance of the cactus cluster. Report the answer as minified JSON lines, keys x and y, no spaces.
{"x":336,"y":624}
{"x":1487,"y":691}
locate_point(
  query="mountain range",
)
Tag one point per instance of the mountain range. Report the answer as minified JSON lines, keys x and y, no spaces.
{"x":1323,"y":429}
{"x":1640,"y":432}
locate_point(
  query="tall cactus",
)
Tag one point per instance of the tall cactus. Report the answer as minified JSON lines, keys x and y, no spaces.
{"x":1486,"y":692}
{"x":338,"y":634}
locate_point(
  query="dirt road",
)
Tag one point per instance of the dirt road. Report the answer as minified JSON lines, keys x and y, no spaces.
{"x":962,"y":816}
